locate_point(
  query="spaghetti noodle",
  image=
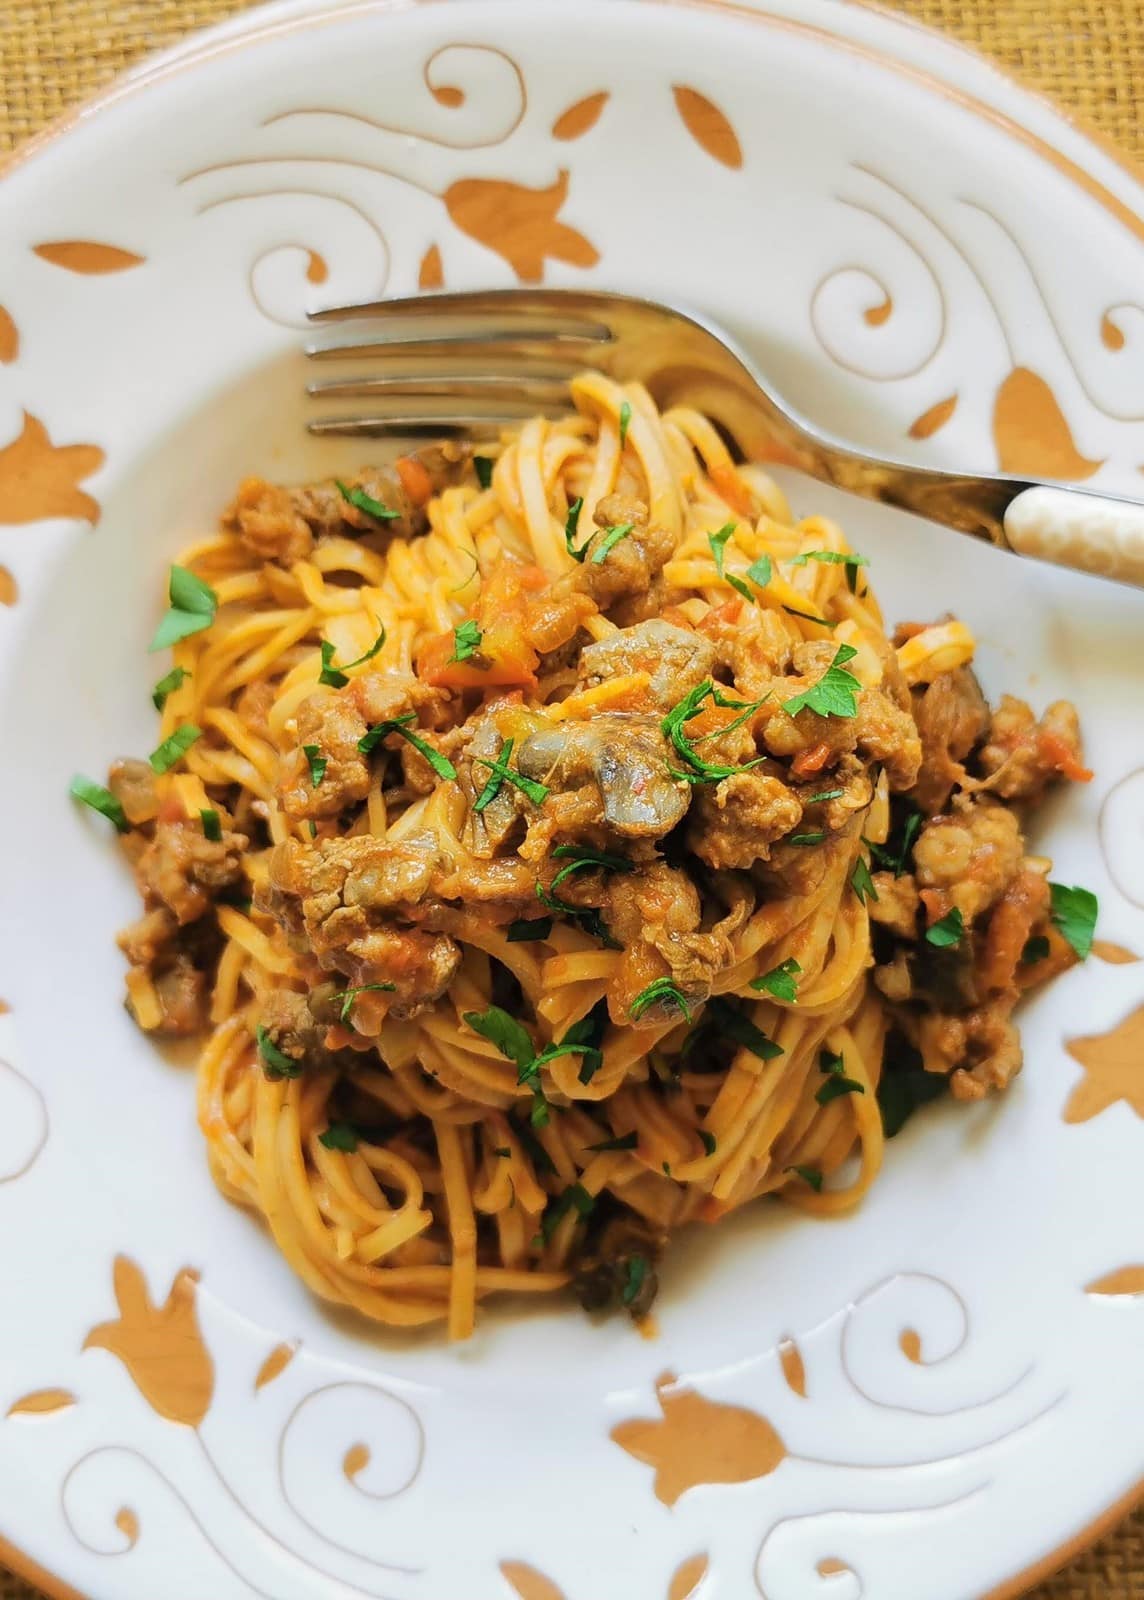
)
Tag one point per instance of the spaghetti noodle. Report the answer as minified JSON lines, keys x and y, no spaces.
{"x":560,"y":852}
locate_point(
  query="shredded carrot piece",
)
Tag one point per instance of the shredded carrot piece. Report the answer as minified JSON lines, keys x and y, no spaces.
{"x":415,"y":479}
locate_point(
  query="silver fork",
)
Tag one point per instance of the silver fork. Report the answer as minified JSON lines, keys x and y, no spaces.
{"x":475,"y":362}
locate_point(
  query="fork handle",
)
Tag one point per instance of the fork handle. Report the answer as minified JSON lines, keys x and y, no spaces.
{"x":1080,"y":530}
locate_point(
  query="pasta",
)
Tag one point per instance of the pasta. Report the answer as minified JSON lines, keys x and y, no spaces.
{"x":559,"y":852}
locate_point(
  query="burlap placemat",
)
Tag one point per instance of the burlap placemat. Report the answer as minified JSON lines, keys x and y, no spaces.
{"x":1088,"y":54}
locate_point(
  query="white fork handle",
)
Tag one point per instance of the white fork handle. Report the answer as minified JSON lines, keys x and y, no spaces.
{"x":1082,"y":531}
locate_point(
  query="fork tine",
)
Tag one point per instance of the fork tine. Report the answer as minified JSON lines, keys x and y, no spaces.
{"x":567,"y":306}
{"x":538,"y":390}
{"x":489,"y":345}
{"x":420,"y":426}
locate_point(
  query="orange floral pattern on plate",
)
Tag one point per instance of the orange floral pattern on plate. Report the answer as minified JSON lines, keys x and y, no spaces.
{"x":700,"y":1441}
{"x":1031,"y":433}
{"x":519,"y":223}
{"x":88,"y":257}
{"x":40,"y":480}
{"x":1113,"y":1064}
{"x":708,"y":126}
{"x":161,"y":1346}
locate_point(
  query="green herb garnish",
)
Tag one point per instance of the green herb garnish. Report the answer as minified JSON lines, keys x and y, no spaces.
{"x":718,"y":543}
{"x":172,"y":750}
{"x":274,"y":1063}
{"x":850,"y":560}
{"x":902,"y":1090}
{"x":100,"y":799}
{"x":348,"y":996}
{"x":837,"y":1083}
{"x":525,"y":930}
{"x":571,"y":527}
{"x":673,"y":726}
{"x":621,"y":1141}
{"x":809,"y":1175}
{"x":1036,"y":949}
{"x":662,"y":991}
{"x":192,"y":608}
{"x":366,"y":502}
{"x":634,"y":1274}
{"x":894,"y":859}
{"x":611,"y":539}
{"x":212,"y":826}
{"x":760,"y":571}
{"x":500,"y":772}
{"x":167,"y":685}
{"x":575,"y":1197}
{"x":780,"y":981}
{"x":316,"y":762}
{"x":441,"y":765}
{"x":835,"y":693}
{"x":483,"y":467}
{"x":729,"y":1020}
{"x":708,"y":1141}
{"x":806,"y":838}
{"x":808,"y":616}
{"x":1073,"y":914}
{"x":466,"y":641}
{"x":827,"y":794}
{"x":340,"y":1136}
{"x":947,"y":930}
{"x":625,"y":423}
{"x":335,"y":677}
{"x":861,"y":881}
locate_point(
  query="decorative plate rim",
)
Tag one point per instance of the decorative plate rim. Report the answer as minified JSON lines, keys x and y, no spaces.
{"x":275,"y":17}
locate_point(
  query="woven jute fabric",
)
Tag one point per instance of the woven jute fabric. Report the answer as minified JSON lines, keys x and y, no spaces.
{"x":1086,"y":54}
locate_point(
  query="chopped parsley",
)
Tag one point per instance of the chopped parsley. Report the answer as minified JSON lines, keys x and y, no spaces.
{"x":441,"y":765}
{"x":571,"y":527}
{"x":625,"y":423}
{"x":708,"y":1141}
{"x":661,"y":992}
{"x":809,"y":616}
{"x":810,"y":1175}
{"x":621,"y":1141}
{"x":101,"y":800}
{"x":172,"y":750}
{"x":806,"y":838}
{"x":193,"y":604}
{"x":348,"y":996}
{"x":575,"y":1198}
{"x":466,"y":641}
{"x":1036,"y":949}
{"x":947,"y":930}
{"x":611,"y":539}
{"x":904,"y":1087}
{"x":316,"y":762}
{"x":537,"y":1154}
{"x":634,"y":1274}
{"x":673,"y":726}
{"x":835,"y":693}
{"x":515,"y":1043}
{"x":781,"y":981}
{"x":527,"y":930}
{"x":760,"y":571}
{"x":167,"y":685}
{"x":483,"y":467}
{"x":840,"y":558}
{"x":1073,"y":914}
{"x":861,"y":881}
{"x":826,"y":794}
{"x":718,"y":543}
{"x":582,"y":859}
{"x":732,"y":1022}
{"x":340,"y":1136}
{"x":500,"y":771}
{"x":212,"y":826}
{"x":837,"y":1083}
{"x":365,"y":502}
{"x":895,"y":856}
{"x":274,"y":1063}
{"x":335,"y":677}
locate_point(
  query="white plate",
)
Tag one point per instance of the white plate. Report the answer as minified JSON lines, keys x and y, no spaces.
{"x":934,"y":1395}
